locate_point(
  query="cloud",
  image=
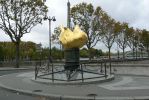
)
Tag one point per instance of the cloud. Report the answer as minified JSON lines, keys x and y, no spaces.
{"x":3,"y":36}
{"x":134,"y":12}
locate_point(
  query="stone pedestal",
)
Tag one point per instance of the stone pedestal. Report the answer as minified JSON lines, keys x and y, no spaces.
{"x":72,"y":58}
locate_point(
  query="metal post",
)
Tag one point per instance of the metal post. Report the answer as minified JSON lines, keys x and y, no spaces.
{"x":141,"y":53}
{"x":68,"y":14}
{"x":105,"y":70}
{"x":118,"y":55}
{"x":49,"y":37}
{"x":82,"y":73}
{"x":101,"y":68}
{"x":36,"y":71}
{"x":50,"y":59}
{"x":52,"y":74}
{"x":60,"y":97}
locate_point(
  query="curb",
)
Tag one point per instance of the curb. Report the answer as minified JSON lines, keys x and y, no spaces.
{"x":76,"y":83}
{"x":65,"y":97}
{"x":31,"y":93}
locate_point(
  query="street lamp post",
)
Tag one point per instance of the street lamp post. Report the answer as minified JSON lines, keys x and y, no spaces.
{"x":68,"y":14}
{"x":50,"y":19}
{"x":50,"y":60}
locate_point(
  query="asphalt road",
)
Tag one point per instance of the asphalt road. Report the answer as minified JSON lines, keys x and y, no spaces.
{"x":10,"y":95}
{"x":138,"y":82}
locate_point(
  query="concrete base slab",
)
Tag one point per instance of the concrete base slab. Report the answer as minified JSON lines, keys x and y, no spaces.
{"x":22,"y":82}
{"x":61,"y":79}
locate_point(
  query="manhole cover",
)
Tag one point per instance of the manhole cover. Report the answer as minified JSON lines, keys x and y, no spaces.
{"x":37,"y":90}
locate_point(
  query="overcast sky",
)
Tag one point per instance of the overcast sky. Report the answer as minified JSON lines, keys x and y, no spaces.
{"x":134,"y":12}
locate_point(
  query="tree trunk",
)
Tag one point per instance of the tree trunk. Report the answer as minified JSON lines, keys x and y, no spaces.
{"x":136,"y":53}
{"x":123,"y":53}
{"x":17,"y":44}
{"x":90,"y":54}
{"x":118,"y":55}
{"x":141,"y":53}
{"x":148,"y":50}
{"x":61,"y":50}
{"x":110,"y":59}
{"x":133,"y":50}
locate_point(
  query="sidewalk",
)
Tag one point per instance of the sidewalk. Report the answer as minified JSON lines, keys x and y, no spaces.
{"x":22,"y":82}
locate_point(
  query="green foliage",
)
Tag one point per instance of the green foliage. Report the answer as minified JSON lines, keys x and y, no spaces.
{"x":1,"y":53}
{"x":84,"y":53}
{"x":88,"y":19}
{"x":27,"y":50}
{"x":55,"y":36}
{"x":8,"y":50}
{"x":18,"y":17}
{"x":44,"y":53}
{"x":122,"y":36}
{"x":95,"y":52}
{"x":56,"y":53}
{"x":145,"y":38}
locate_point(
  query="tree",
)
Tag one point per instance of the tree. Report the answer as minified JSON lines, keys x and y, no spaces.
{"x":131,"y":39}
{"x":8,"y":50}
{"x":18,"y":17}
{"x":88,"y":19}
{"x":84,"y":53}
{"x":145,"y":40}
{"x":1,"y":53}
{"x":56,"y":53}
{"x":96,"y":53}
{"x":55,"y":36}
{"x":137,"y":41}
{"x":55,"y":39}
{"x":27,"y":50}
{"x":122,"y":37}
{"x":109,"y":34}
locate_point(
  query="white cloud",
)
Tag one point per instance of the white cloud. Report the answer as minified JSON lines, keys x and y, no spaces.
{"x":134,"y":12}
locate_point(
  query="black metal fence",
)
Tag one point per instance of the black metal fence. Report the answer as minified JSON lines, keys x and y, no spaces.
{"x":33,"y":63}
{"x":44,"y":68}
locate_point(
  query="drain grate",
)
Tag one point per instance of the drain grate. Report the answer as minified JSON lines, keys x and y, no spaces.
{"x":37,"y":90}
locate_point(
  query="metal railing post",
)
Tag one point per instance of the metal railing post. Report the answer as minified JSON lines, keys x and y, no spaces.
{"x":52,"y":74}
{"x":105,"y":69}
{"x":82,"y":73}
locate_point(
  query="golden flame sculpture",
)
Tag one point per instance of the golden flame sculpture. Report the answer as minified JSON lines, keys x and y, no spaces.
{"x":75,"y":39}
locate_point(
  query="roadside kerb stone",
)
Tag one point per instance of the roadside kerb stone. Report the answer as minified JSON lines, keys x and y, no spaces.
{"x":91,"y":81}
{"x":30,"y":92}
{"x":72,"y":97}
